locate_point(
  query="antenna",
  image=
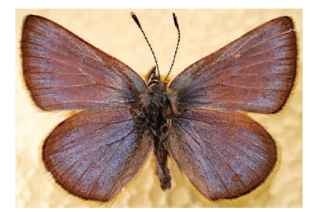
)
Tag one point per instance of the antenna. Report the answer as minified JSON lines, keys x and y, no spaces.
{"x":136,"y":20}
{"x":175,"y":20}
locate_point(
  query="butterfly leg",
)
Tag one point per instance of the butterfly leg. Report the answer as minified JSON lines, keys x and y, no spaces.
{"x":152,"y":77}
{"x":151,"y":74}
{"x":173,"y":107}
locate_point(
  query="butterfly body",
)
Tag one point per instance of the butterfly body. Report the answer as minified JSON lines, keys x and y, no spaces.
{"x":154,"y":114}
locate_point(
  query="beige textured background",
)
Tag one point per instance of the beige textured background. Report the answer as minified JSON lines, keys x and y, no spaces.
{"x":113,"y":31}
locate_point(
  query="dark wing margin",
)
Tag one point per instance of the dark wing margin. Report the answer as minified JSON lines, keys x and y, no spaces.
{"x":253,"y":73}
{"x":93,"y":154}
{"x":224,"y":154}
{"x":62,"y":71}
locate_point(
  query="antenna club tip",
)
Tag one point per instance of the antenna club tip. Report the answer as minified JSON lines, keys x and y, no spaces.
{"x":135,"y":18}
{"x":175,"y":20}
{"x":132,"y":14}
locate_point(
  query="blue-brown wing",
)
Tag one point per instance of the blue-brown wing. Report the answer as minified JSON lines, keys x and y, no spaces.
{"x":93,"y":154}
{"x":253,"y":73}
{"x":224,"y":154}
{"x":62,"y":71}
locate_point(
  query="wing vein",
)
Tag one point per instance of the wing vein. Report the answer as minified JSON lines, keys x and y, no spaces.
{"x":68,"y":146}
{"x":215,"y":169}
{"x":111,"y":155}
{"x":227,"y":123}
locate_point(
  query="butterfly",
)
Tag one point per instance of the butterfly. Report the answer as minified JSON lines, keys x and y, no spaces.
{"x":197,"y":119}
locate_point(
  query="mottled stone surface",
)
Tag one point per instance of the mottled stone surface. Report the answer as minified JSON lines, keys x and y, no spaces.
{"x":203,"y":32}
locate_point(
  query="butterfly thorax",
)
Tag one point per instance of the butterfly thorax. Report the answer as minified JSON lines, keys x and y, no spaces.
{"x":156,"y":107}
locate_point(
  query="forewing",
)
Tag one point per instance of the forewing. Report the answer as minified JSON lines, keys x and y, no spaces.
{"x":93,"y":154}
{"x":253,"y":73}
{"x":223,"y":154}
{"x":64,"y":72}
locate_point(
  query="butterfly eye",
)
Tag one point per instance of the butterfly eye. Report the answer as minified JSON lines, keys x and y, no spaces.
{"x":164,"y":129}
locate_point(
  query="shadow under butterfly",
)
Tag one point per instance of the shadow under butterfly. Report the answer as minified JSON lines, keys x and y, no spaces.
{"x":196,"y":118}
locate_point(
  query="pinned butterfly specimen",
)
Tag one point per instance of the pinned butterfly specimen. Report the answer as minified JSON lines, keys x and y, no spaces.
{"x":197,"y":119}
